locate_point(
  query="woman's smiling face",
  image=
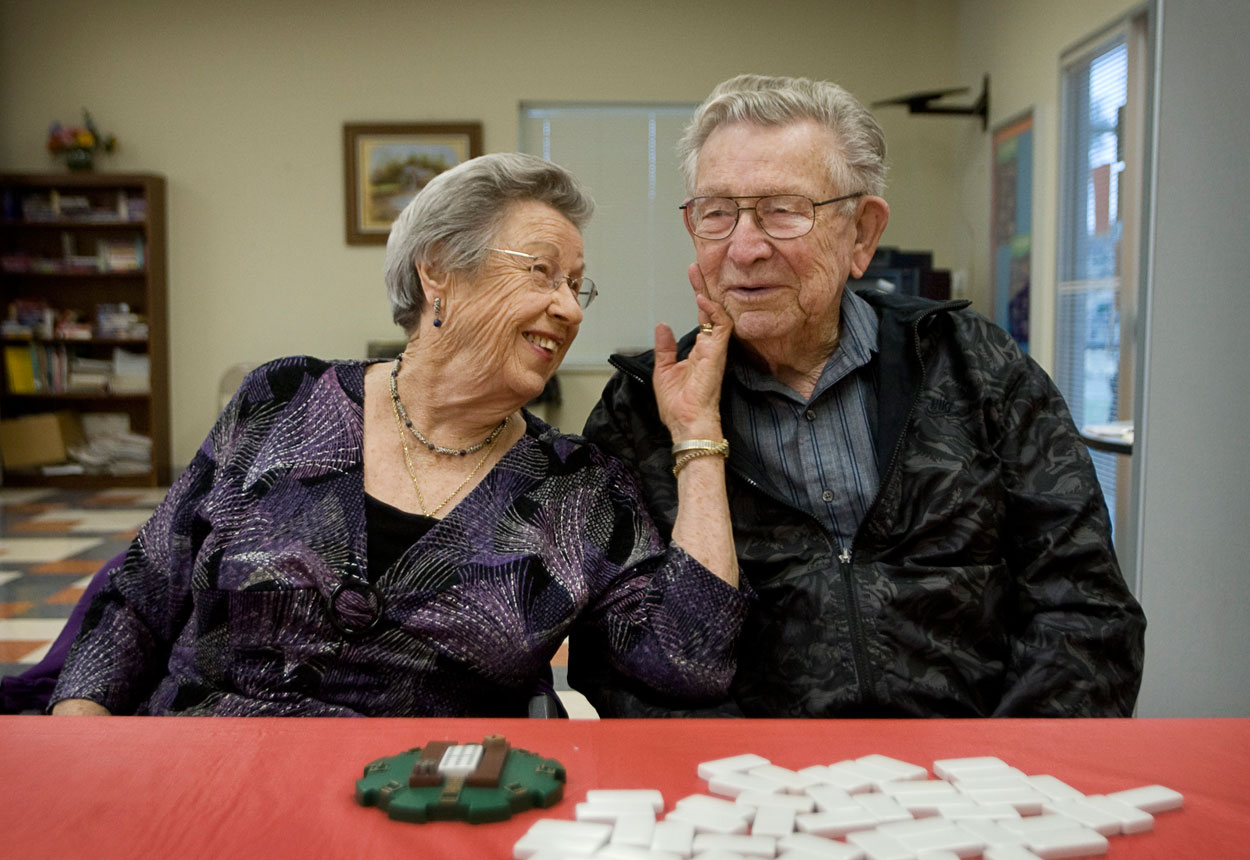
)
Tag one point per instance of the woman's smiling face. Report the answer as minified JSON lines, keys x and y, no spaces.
{"x":517,"y":332}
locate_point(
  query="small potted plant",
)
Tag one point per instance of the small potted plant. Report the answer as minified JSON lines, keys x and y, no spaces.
{"x":79,"y":144}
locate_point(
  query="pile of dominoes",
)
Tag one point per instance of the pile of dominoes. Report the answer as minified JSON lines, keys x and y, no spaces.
{"x":870,"y":808}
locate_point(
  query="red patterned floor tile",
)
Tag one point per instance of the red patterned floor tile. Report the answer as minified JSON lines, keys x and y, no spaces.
{"x":114,"y":500}
{"x":11,"y":651}
{"x":79,"y":566}
{"x":44,"y":527}
{"x":32,"y":508}
{"x":10,"y":610}
{"x":65,"y":597}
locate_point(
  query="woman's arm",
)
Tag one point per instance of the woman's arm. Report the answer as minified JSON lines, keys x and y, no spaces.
{"x":79,"y":708}
{"x":688,"y":395}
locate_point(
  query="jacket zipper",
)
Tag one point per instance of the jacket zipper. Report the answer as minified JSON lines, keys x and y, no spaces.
{"x":859,"y":644}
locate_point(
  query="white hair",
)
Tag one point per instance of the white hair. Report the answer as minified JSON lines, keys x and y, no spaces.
{"x":453,"y":220}
{"x":857,"y":161}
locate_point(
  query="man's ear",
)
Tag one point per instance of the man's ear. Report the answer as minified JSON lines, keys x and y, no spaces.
{"x":874,"y":212}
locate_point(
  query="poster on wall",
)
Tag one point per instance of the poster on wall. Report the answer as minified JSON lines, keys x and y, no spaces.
{"x":1011,"y":225}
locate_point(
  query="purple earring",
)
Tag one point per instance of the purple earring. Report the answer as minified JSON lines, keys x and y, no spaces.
{"x":438,"y":310}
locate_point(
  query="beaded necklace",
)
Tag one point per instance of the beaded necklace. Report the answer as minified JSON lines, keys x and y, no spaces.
{"x":402,"y":414}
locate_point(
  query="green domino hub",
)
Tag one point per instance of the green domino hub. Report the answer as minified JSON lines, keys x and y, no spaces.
{"x":448,"y":781}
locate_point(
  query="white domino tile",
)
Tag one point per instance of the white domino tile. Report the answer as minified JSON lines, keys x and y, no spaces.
{"x":1055,"y":789}
{"x":896,"y":768}
{"x":1131,"y":818}
{"x":774,"y":821}
{"x":1063,"y":844}
{"x":804,"y":846}
{"x":793,"y":802}
{"x":873,"y":807}
{"x":827,"y":797}
{"x":705,"y":820}
{"x":570,"y":837}
{"x":991,"y":833}
{"x":717,"y":804}
{"x":1150,"y":798}
{"x":673,"y":837}
{"x":1009,"y":852}
{"x":879,"y":846}
{"x":1091,"y":815}
{"x":845,"y":775}
{"x":734,"y":783}
{"x":962,"y":768}
{"x":784,"y":779}
{"x":836,"y":822}
{"x":610,"y":812}
{"x":634,"y":829}
{"x":1024,"y":798}
{"x":744,"y":762}
{"x":883,"y":807}
{"x":741,"y":844}
{"x":629,"y":852}
{"x":648,"y":796}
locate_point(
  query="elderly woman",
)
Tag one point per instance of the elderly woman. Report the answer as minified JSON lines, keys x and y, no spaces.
{"x":401,"y":537}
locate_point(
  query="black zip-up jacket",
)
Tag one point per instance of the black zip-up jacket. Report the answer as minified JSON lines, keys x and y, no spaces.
{"x":981,"y":582}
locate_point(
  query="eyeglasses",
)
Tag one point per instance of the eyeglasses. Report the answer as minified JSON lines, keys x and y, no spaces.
{"x":547,"y":275}
{"x":782,"y":216}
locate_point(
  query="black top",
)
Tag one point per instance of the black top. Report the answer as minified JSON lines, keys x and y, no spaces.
{"x":390,"y":532}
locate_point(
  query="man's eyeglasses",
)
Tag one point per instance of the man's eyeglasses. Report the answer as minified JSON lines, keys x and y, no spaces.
{"x":782,"y":216}
{"x":547,"y":275}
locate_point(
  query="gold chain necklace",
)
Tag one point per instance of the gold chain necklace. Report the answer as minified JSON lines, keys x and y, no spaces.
{"x":412,"y":475}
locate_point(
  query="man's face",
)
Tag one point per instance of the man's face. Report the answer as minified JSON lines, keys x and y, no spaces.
{"x":777,"y":291}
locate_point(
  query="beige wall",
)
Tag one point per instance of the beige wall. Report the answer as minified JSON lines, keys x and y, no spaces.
{"x":1021,"y":52}
{"x":241,"y":105}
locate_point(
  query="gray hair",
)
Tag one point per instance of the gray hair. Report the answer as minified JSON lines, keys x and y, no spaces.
{"x":454,"y":219}
{"x":857,"y":163}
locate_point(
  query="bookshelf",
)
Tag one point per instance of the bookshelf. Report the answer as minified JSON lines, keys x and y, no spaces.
{"x":84,"y":337}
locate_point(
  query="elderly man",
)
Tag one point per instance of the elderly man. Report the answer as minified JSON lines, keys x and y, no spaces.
{"x":913,"y":508}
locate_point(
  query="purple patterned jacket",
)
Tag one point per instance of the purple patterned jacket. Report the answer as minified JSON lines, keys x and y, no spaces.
{"x":221,"y":606}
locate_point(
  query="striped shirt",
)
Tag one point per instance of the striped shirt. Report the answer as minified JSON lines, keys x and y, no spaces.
{"x":818,"y":453}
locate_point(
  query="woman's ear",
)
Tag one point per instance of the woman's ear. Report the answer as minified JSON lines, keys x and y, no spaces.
{"x":433,"y":281}
{"x":870,"y":223}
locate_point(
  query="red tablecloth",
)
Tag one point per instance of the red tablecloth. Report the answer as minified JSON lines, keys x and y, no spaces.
{"x":274,"y":788}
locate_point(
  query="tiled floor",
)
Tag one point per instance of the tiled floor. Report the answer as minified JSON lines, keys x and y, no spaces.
{"x":52,"y":541}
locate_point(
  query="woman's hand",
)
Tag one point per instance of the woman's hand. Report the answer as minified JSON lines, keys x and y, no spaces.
{"x":688,"y":391}
{"x":688,"y":395}
{"x":79,"y":708}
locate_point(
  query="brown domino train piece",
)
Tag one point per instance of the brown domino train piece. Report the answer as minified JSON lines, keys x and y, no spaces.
{"x":425,"y":769}
{"x":494,"y":754}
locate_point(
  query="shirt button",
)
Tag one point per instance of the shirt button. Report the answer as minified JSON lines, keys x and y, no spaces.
{"x":810,"y":415}
{"x":827,"y":495}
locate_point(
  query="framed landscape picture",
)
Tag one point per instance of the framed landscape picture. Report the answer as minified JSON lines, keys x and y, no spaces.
{"x":386,"y":164}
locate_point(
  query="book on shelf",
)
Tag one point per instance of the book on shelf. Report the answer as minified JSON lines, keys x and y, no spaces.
{"x":131,"y":373}
{"x":19,"y":368}
{"x":120,"y":255}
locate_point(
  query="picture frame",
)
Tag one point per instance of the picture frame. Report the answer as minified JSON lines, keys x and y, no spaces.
{"x":386,"y":164}
{"x":1011,"y":224}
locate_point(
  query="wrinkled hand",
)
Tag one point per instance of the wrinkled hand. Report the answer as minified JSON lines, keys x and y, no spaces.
{"x":688,"y":391}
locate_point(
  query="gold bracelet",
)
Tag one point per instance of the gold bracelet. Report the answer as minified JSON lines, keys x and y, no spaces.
{"x":695,"y":448}
{"x":721,"y":447}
